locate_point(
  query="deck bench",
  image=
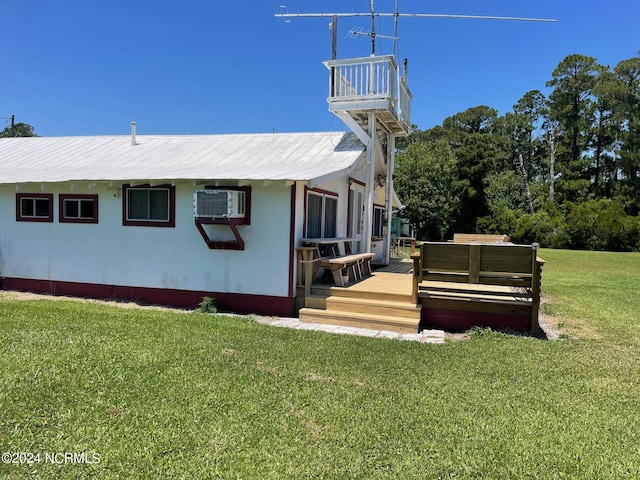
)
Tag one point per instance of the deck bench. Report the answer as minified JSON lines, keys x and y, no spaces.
{"x":356,"y":266}
{"x":464,"y":284}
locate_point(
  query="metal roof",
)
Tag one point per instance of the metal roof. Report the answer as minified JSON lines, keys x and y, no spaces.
{"x":270,"y":156}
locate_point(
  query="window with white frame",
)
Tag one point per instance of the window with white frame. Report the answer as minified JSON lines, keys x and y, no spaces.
{"x":149,"y":206}
{"x":34,"y":207}
{"x":322,"y":212}
{"x":378,"y":222}
{"x":78,"y":208}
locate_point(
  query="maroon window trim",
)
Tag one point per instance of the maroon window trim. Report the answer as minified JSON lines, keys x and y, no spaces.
{"x":79,"y":198}
{"x":320,"y":192}
{"x":20,"y":217}
{"x":357,"y":182}
{"x":171,"y":222}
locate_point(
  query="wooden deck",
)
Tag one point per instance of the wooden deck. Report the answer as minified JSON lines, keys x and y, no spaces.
{"x":381,"y":301}
{"x":464,"y":285}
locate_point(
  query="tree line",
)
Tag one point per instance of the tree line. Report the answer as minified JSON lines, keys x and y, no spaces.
{"x":18,"y":130}
{"x":562,"y":170}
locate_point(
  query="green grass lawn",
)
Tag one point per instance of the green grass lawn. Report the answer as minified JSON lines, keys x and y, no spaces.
{"x":161,"y":394}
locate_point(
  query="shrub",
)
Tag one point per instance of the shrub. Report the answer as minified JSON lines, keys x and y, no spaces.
{"x":525,"y":228}
{"x":537,"y":227}
{"x":600,"y":225}
{"x":207,"y":305}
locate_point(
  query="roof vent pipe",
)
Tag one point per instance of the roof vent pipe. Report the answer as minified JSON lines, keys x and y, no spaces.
{"x":133,"y":134}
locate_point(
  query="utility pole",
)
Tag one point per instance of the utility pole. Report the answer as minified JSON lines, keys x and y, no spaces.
{"x":334,"y":51}
{"x":13,"y":125}
{"x":373,"y":30}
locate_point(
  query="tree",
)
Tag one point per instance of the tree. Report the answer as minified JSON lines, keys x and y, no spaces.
{"x":571,"y":105}
{"x":531,"y":115}
{"x":470,"y":134}
{"x":19,"y":130}
{"x":628,"y":110}
{"x":505,"y":191}
{"x":425,"y":179}
{"x":605,"y":130}
{"x":578,"y":183}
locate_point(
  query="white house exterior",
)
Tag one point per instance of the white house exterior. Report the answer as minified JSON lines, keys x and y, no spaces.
{"x":113,"y":216}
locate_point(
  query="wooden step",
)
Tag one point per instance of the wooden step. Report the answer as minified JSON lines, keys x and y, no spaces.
{"x":329,"y":291}
{"x":360,"y":320}
{"x":316,"y":301}
{"x":373,"y":306}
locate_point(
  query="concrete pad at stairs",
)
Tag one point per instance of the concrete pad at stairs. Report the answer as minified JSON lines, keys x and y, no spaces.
{"x":426,"y":336}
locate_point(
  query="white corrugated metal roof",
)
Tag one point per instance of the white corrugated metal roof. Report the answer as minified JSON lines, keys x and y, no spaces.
{"x":271,"y":156}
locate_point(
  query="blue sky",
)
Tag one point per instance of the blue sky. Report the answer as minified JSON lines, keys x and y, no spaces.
{"x":193,"y":67}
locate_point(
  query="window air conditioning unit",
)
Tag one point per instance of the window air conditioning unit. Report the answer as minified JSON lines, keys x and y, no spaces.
{"x":219,"y":203}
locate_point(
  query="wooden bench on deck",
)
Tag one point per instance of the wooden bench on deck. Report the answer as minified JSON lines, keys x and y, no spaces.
{"x":465,"y":284}
{"x":357,"y":266}
{"x":317,"y":254}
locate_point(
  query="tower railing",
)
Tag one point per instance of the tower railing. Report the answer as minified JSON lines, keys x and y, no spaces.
{"x":358,"y":80}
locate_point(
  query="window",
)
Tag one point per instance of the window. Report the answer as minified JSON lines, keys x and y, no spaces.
{"x":322,"y":211}
{"x":149,"y":206}
{"x":378,"y":222}
{"x":330,"y":216}
{"x":78,"y":208}
{"x":34,"y":207}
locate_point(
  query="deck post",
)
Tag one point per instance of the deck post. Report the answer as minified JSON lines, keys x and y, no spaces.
{"x":391,"y":156}
{"x":417,"y":276}
{"x":307,"y":260}
{"x":474,"y":263}
{"x":308,"y":281}
{"x":536,"y":284}
{"x":371,"y":169}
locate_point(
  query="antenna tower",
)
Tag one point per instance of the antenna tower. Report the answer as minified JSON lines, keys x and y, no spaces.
{"x":371,"y":96}
{"x":284,"y":14}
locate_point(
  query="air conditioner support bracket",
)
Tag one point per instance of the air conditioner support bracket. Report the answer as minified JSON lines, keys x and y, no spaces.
{"x":237,"y":244}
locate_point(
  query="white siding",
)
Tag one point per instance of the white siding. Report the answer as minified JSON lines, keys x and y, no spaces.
{"x":177,"y":258}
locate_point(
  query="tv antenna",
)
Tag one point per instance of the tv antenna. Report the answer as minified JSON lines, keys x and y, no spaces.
{"x":286,"y":16}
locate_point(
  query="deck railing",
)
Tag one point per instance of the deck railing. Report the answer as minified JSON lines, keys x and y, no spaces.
{"x":404,"y":102}
{"x":370,"y":78}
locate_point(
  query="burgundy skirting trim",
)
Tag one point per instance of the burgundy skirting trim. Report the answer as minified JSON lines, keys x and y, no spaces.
{"x":458,"y":320}
{"x":232,"y":302}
